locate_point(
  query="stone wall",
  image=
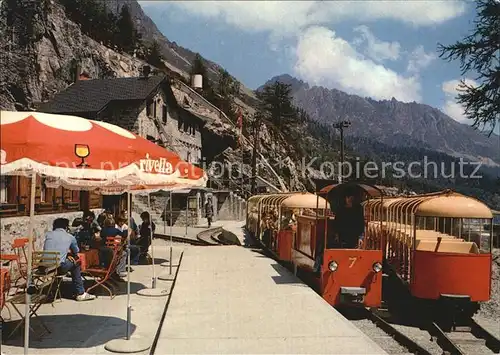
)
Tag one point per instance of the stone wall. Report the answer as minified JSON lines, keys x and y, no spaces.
{"x":17,"y":227}
{"x":225,"y":205}
{"x":180,"y":140}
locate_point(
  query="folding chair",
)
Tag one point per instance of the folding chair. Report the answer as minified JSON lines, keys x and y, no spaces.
{"x":101,"y":275}
{"x":19,"y":247}
{"x":44,"y":272}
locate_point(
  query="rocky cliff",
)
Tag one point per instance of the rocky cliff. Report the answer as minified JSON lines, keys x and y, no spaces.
{"x":39,"y":57}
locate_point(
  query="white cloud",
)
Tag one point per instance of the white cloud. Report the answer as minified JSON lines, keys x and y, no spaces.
{"x":376,"y":49}
{"x":324,"y":59}
{"x":290,"y":17}
{"x":420,"y":59}
{"x":321,"y":57}
{"x":451,"y":107}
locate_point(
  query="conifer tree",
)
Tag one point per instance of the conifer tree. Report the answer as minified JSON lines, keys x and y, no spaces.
{"x":127,"y":36}
{"x":479,"y":53}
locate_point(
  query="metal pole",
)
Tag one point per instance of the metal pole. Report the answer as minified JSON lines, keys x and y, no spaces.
{"x":151,"y":240}
{"x":187,"y":218}
{"x":31,"y":230}
{"x":170,"y":259}
{"x":341,"y":154}
{"x":254,"y":154}
{"x":165,"y":219}
{"x":129,"y":307}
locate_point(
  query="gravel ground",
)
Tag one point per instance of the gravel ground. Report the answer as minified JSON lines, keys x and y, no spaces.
{"x":385,"y":341}
{"x":421,"y":337}
{"x":469,"y":344}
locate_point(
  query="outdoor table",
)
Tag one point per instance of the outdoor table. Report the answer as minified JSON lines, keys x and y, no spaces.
{"x":88,"y":258}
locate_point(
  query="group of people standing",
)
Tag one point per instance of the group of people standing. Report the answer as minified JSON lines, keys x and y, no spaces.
{"x":89,"y":232}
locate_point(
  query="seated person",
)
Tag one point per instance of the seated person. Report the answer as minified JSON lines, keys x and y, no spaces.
{"x":121,"y":224}
{"x":145,"y":233}
{"x":105,"y":253}
{"x":102,"y":217}
{"x":61,"y":241}
{"x":134,"y":230}
{"x":88,"y":229}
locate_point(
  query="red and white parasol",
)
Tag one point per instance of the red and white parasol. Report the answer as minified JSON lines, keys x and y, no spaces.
{"x":80,"y":153}
{"x":84,"y":154}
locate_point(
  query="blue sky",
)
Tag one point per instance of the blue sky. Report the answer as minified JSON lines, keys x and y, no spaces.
{"x":380,"y":49}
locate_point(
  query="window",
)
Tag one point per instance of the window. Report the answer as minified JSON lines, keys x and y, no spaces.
{"x":164,"y":113}
{"x":4,"y":189}
{"x":43,"y":190}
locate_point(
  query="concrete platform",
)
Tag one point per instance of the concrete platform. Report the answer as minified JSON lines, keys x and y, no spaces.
{"x":84,"y":328}
{"x":233,"y":300}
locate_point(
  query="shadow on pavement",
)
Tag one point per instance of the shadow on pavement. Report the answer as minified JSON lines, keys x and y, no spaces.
{"x":120,"y":288}
{"x":69,"y":331}
{"x":158,"y":261}
{"x":285,"y":276}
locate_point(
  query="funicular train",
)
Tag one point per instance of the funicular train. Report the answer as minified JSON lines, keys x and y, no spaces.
{"x":437,"y":245}
{"x":299,"y":229}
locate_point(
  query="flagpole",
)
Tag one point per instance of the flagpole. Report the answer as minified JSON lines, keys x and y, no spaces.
{"x":240,"y":123}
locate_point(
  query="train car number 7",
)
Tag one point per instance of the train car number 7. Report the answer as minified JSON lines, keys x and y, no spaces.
{"x":352,"y":261}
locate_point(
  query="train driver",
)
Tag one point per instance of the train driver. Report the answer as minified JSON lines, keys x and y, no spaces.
{"x":350,"y":222}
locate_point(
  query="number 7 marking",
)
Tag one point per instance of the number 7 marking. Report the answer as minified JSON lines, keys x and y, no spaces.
{"x":353,"y":261}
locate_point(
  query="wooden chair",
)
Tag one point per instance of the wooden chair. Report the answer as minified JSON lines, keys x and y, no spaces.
{"x":44,"y":273}
{"x":102,"y":276}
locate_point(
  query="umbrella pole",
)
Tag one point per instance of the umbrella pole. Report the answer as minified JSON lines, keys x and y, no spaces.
{"x":129,"y":307}
{"x":151,"y":240}
{"x":138,"y":344}
{"x":171,"y":243}
{"x":31,"y":230}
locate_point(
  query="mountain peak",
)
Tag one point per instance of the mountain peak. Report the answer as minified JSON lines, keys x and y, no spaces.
{"x":294,"y":83}
{"x":393,"y":122}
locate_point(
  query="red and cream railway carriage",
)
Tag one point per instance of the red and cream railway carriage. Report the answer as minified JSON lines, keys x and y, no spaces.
{"x":346,"y":276}
{"x":296,"y":227}
{"x":439,"y":245}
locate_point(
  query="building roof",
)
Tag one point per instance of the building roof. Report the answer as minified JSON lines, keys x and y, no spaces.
{"x":94,"y":95}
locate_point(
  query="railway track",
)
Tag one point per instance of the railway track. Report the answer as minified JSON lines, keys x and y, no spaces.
{"x":178,"y":239}
{"x":426,"y":338}
{"x":401,"y":338}
{"x":204,"y":238}
{"x":469,"y":340}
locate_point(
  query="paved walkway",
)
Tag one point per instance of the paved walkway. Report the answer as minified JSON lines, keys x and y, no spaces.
{"x":85,"y":327}
{"x":233,"y":300}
